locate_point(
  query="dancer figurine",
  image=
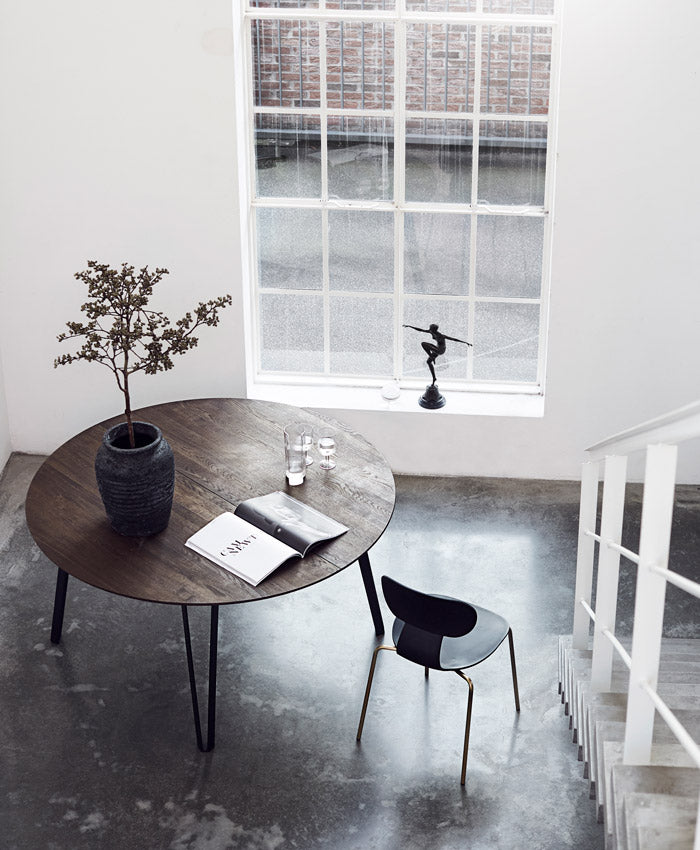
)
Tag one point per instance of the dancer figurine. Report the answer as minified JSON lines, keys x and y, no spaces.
{"x":432,"y":398}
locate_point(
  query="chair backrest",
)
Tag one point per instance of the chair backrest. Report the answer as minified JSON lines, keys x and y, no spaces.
{"x":428,"y":620}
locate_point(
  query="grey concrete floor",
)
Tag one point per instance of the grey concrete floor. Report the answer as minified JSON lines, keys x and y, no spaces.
{"x":98,"y":745}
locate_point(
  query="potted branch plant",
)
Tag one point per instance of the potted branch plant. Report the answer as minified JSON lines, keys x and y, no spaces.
{"x":134,"y":466}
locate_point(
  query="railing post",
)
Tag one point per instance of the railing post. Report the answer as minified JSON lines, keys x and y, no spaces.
{"x":586,"y":552}
{"x":654,"y":540}
{"x":608,"y":570}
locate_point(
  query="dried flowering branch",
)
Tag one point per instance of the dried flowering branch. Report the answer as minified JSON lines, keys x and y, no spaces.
{"x":123,"y":334}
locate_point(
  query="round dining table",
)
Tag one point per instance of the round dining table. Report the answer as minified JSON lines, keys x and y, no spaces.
{"x":226,"y":450}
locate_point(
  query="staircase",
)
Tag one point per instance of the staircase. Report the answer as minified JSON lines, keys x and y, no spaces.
{"x":653,"y":806}
{"x":634,"y":704}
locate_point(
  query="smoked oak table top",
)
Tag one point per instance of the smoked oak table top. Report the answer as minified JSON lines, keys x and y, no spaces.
{"x":226,"y":450}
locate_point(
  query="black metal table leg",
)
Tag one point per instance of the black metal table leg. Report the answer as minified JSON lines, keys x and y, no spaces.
{"x":59,"y":606}
{"x":211,"y":698}
{"x":371,"y":591}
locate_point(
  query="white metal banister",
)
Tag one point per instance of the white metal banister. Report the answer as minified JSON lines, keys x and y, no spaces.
{"x":673,"y":723}
{"x":673,"y":428}
{"x":587,"y":608}
{"x":654,"y":542}
{"x":585,"y":554}
{"x":615,"y":480}
{"x":621,"y":651}
{"x":659,"y":437}
{"x":627,"y":553}
{"x":691,"y":587}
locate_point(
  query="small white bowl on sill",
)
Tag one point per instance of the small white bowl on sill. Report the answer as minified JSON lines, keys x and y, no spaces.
{"x":391,"y":391}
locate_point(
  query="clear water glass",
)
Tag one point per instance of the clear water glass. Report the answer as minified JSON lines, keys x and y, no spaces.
{"x":326,"y":447}
{"x":294,"y":454}
{"x":308,"y":439}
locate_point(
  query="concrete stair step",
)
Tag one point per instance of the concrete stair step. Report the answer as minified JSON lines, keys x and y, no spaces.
{"x":680,"y":662}
{"x":646,"y":812}
{"x":668,"y":838}
{"x":675,"y":694}
{"x":679,"y":646}
{"x":649,"y":779}
{"x":688,"y":643}
{"x":609,"y":725}
{"x":668,"y":755}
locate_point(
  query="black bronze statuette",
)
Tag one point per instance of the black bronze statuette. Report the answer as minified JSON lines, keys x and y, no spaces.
{"x":432,"y":398}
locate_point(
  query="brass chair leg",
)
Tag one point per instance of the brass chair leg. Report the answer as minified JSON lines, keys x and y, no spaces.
{"x":468,"y":725}
{"x":512,"y":667}
{"x":369,"y":685}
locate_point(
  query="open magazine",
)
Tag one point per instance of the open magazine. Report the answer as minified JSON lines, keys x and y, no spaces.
{"x":261,"y":534}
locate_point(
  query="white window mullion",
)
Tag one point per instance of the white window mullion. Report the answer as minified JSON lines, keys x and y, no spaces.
{"x":471,"y":315}
{"x":399,"y":182}
{"x":247,"y":209}
{"x":324,"y":197}
{"x":552,"y":114}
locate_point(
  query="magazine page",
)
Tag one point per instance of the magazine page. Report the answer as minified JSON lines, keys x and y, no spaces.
{"x":240,"y":548}
{"x":289,"y":520}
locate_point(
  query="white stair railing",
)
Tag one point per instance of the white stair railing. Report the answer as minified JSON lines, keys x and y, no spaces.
{"x":659,"y":437}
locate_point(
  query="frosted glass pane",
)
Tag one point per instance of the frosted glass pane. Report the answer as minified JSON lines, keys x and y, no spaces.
{"x":506,"y":337}
{"x":290,"y":254}
{"x":361,"y":250}
{"x":285,"y":61}
{"x":509,"y":256}
{"x":360,"y":158}
{"x":287,"y":160}
{"x":452,"y":318}
{"x":285,"y":4}
{"x":438,"y":160}
{"x":440,"y":67}
{"x":515,"y":69}
{"x":362,"y":336}
{"x":519,"y":7}
{"x":365,"y":5}
{"x":291,"y":332}
{"x":436,"y":254}
{"x":360,"y":65}
{"x":441,"y":5}
{"x":512,"y":158}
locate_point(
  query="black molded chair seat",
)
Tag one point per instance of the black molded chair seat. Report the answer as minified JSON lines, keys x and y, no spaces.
{"x":459,"y":653}
{"x":442,"y":633}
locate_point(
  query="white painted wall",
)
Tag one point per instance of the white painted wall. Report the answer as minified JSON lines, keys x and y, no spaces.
{"x":5,"y":444}
{"x":118,"y":144}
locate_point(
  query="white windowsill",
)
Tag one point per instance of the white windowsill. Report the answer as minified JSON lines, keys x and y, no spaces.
{"x":370,"y":398}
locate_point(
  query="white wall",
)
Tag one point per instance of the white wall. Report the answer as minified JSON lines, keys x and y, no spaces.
{"x":5,"y":444}
{"x":118,"y":144}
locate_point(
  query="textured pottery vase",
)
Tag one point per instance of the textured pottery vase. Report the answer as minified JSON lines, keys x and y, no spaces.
{"x":137,"y":484}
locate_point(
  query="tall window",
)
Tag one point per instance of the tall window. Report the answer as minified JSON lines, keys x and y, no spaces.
{"x":400,"y":178}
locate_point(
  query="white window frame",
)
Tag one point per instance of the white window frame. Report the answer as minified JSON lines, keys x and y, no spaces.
{"x":480,"y":397}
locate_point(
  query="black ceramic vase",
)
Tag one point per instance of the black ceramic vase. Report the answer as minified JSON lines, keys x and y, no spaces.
{"x":137,"y":484}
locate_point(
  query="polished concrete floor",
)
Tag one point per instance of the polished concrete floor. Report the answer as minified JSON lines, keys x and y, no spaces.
{"x":98,"y":745}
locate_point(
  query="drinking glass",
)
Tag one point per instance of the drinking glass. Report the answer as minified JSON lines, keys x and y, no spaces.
{"x":308,"y":439}
{"x":294,"y":454}
{"x":326,"y":447}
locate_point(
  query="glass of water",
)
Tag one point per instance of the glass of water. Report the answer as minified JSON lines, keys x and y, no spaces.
{"x":326,"y":447}
{"x":308,"y":438}
{"x":294,"y":454}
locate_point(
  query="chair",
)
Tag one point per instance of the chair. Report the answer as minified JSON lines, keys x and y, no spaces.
{"x":442,"y":633}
